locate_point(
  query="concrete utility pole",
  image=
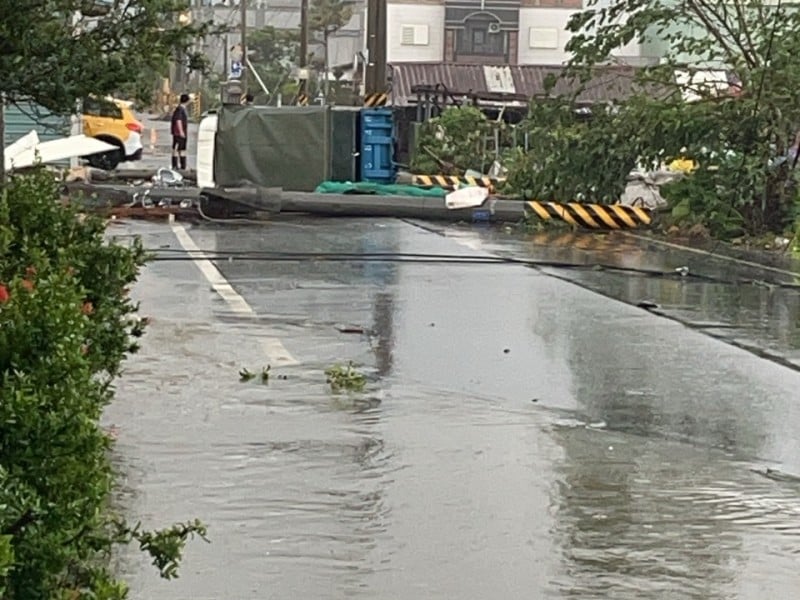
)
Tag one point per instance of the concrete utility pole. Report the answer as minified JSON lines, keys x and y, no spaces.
{"x":376,"y":47}
{"x":243,"y":7}
{"x":303,"y":66}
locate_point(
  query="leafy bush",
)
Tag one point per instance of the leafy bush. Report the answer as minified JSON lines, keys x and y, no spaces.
{"x":453,"y":143}
{"x":737,"y":128}
{"x":570,"y":158}
{"x":66,"y":324}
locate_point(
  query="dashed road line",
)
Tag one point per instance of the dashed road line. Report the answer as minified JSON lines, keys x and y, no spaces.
{"x":273,"y":347}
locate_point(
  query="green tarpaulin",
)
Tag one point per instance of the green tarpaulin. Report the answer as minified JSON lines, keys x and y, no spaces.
{"x":335,"y":187}
{"x":283,"y":147}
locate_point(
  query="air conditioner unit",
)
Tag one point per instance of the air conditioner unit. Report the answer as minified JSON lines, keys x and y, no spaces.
{"x":494,"y":27}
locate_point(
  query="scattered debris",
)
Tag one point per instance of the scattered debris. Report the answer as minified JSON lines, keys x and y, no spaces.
{"x":350,"y":329}
{"x":245,"y":375}
{"x":341,"y":377}
{"x":647,"y":305}
{"x":682,"y":271}
{"x":265,"y":374}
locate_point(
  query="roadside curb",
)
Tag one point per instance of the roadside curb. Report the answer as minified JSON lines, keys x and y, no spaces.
{"x":751,"y":261}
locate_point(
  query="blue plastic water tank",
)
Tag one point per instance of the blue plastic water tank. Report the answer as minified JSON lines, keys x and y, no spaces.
{"x":377,"y":146}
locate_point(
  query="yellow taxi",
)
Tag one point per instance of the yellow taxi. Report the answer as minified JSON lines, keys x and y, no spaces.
{"x":112,"y":121}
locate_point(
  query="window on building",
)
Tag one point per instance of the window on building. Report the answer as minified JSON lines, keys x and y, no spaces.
{"x":414,"y":35}
{"x":481,"y":36}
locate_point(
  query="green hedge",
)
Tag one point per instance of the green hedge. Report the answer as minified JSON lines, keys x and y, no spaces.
{"x":66,"y":325}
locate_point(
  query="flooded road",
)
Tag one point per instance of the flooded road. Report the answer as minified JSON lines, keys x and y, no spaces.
{"x":520,"y":436}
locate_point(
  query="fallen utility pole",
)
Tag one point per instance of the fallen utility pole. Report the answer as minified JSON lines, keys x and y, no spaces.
{"x":254,"y":202}
{"x":128,"y":175}
{"x":412,"y":207}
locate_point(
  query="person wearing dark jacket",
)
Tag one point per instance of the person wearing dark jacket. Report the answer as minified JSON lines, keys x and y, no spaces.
{"x":180,"y":133}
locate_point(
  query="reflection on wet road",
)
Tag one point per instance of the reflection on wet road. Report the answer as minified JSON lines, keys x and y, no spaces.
{"x":521,"y":437}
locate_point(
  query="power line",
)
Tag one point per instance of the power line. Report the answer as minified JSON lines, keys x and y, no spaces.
{"x":177,"y":255}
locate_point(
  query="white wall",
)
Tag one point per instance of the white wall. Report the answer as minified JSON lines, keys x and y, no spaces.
{"x":427,"y":19}
{"x":551,"y":36}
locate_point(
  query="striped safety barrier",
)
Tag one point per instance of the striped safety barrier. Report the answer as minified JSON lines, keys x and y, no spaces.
{"x":451,"y":182}
{"x":593,"y":216}
{"x":302,"y":100}
{"x":378,"y":99}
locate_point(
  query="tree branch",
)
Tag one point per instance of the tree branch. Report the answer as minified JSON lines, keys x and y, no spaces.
{"x":744,"y":26}
{"x":702,"y":8}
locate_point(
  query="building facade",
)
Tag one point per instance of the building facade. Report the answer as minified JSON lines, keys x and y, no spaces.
{"x":491,"y":32}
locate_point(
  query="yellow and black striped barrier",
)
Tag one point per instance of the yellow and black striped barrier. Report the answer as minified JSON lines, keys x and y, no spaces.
{"x":302,"y":100}
{"x":375,"y":100}
{"x":451,"y":182}
{"x":593,"y":216}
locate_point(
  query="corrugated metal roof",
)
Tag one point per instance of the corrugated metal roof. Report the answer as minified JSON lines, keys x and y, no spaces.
{"x":609,"y":83}
{"x":24,"y":116}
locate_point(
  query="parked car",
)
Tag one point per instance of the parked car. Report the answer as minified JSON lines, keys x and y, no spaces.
{"x":111,"y":120}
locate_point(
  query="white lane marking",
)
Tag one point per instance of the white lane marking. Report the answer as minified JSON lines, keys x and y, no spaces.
{"x":220,"y":285}
{"x":470,"y":243}
{"x":274,"y":348}
{"x":277,"y":352}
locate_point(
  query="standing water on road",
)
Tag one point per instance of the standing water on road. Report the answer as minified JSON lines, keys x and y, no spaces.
{"x":519,"y":436}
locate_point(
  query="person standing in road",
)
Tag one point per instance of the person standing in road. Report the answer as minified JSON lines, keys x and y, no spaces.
{"x":180,"y":133}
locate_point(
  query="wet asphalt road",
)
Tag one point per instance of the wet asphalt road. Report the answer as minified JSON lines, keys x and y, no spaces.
{"x":521,"y":436}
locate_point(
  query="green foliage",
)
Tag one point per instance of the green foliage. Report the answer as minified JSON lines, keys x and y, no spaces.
{"x":736,"y":131}
{"x":274,"y":52}
{"x":328,"y":16}
{"x":345,"y":377}
{"x":453,"y":142}
{"x":66,"y":324}
{"x":6,"y":560}
{"x":69,"y":52}
{"x":76,"y":48}
{"x":570,"y":158}
{"x":165,"y":547}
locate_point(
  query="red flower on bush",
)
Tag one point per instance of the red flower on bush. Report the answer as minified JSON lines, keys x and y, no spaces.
{"x":28,"y":284}
{"x":4,"y":295}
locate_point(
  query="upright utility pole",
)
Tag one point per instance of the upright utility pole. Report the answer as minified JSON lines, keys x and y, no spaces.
{"x":302,"y":64}
{"x":243,"y":7}
{"x":376,"y":47}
